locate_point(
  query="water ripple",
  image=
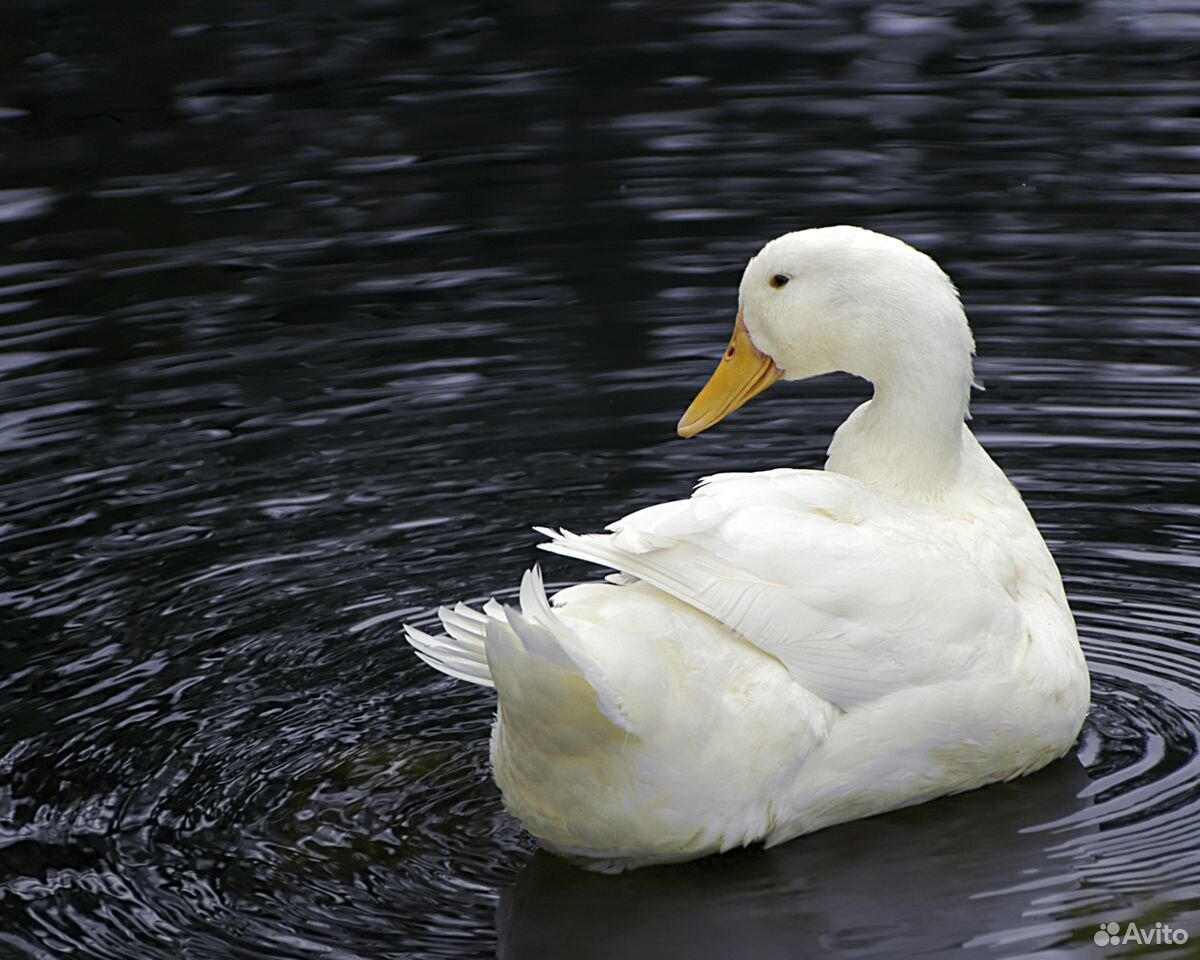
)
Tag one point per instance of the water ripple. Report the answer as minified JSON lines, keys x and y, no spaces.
{"x":305,"y":321}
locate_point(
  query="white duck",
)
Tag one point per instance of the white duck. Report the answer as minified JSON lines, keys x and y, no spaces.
{"x":790,"y":649}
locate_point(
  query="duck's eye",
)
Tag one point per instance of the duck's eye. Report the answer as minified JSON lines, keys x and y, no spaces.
{"x":780,"y":280}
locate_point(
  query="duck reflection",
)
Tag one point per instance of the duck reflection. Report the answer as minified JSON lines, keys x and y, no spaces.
{"x":912,"y":883}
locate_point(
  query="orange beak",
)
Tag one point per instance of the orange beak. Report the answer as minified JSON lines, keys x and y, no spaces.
{"x":743,"y":372}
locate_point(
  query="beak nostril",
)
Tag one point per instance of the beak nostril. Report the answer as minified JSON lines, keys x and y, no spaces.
{"x":742,"y":372}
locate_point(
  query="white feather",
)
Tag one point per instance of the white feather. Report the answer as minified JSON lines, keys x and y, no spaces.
{"x":791,"y":649}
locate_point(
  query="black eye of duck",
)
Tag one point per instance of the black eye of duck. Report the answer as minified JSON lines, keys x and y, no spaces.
{"x":780,"y":280}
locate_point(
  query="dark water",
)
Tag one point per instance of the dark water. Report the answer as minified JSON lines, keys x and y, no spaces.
{"x":309,"y":311}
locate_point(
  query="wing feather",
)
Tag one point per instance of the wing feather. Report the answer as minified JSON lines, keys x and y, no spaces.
{"x":855,"y":598}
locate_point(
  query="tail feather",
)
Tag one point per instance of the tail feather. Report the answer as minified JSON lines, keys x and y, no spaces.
{"x":495,"y":611}
{"x":462,"y":652}
{"x":470,"y":613}
{"x":470,"y":632}
{"x":534,"y":602}
{"x":524,"y":648}
{"x":449,"y":658}
{"x":536,"y":663}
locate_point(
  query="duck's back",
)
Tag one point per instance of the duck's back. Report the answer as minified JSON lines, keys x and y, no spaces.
{"x":837,"y":650}
{"x":858,"y":593}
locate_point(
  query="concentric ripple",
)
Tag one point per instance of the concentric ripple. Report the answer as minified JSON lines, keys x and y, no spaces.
{"x":307,"y":317}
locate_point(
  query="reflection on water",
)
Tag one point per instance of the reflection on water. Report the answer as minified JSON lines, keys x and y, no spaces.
{"x":307,"y":316}
{"x":842,"y":892}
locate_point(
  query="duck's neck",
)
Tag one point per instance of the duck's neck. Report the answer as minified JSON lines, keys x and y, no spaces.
{"x":909,"y":437}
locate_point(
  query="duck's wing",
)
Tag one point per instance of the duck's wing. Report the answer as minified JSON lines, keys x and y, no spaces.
{"x":855,"y":596}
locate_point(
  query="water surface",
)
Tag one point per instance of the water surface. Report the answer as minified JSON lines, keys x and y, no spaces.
{"x":306,"y":316}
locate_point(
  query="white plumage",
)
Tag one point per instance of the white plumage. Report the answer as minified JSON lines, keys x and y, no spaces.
{"x":790,"y":649}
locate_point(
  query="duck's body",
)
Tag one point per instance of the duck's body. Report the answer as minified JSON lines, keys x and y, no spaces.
{"x":795,"y":648}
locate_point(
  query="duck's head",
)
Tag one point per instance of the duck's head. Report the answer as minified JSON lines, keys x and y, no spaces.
{"x":837,"y":298}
